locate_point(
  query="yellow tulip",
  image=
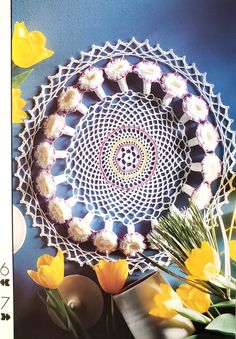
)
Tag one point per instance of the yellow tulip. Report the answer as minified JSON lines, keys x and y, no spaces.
{"x":165,"y":302}
{"x":50,"y":272}
{"x":112,"y":275}
{"x":203,"y":263}
{"x":232,"y":249}
{"x":18,"y":115}
{"x":28,"y":48}
{"x":194,"y":298}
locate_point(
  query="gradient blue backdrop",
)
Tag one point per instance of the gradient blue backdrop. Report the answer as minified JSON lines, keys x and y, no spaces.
{"x":203,"y":30}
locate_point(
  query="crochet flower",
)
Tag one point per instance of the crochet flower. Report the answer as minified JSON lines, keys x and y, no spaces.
{"x":203,"y":263}
{"x":208,"y":136}
{"x":28,"y":48}
{"x":59,"y":210}
{"x":50,"y":272}
{"x":174,"y":85}
{"x":79,"y":230}
{"x":165,"y":302}
{"x":69,"y":99}
{"x":201,"y":197}
{"x":117,"y":69}
{"x":195,"y":108}
{"x":211,"y":167}
{"x":18,"y":115}
{"x":45,"y":155}
{"x":112,"y":275}
{"x":132,"y":243}
{"x":194,"y":298}
{"x":148,"y":70}
{"x":91,"y":79}
{"x":105,"y":241}
{"x":45,"y":184}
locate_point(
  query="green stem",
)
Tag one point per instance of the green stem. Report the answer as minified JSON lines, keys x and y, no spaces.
{"x":69,"y":319}
{"x":232,"y":225}
{"x":216,"y":309}
{"x":213,"y":232}
{"x":57,"y":307}
{"x":82,"y":332}
{"x":113,"y":316}
{"x":226,"y":249}
{"x":215,"y":289}
{"x":75,"y":318}
{"x":210,"y":315}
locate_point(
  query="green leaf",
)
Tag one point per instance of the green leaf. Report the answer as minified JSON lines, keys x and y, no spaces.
{"x":18,"y":80}
{"x":193,"y":315}
{"x":58,"y":320}
{"x":207,"y":335}
{"x":224,"y":323}
{"x":57,"y":306}
{"x":222,"y":282}
{"x":233,"y":280}
{"x":227,"y":303}
{"x":59,"y":310}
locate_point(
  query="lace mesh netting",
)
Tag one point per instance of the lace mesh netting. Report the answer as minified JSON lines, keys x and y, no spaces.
{"x":117,"y":139}
{"x":143,"y":171}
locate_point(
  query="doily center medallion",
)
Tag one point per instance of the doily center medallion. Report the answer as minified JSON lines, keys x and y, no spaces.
{"x":129,"y":158}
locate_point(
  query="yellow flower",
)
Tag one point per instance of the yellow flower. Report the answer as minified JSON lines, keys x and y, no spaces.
{"x":203,"y":263}
{"x":18,"y":115}
{"x":232,"y":249}
{"x":112,"y":275}
{"x":28,"y":48}
{"x":194,"y":298}
{"x":50,"y":271}
{"x":165,"y":302}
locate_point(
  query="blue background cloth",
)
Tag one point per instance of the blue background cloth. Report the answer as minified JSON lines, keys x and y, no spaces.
{"x":203,"y":30}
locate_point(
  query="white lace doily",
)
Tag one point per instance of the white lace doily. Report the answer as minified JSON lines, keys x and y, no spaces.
{"x":129,"y":157}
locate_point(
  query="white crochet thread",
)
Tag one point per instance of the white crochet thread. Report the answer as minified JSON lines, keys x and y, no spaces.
{"x":57,"y":82}
{"x":126,"y":156}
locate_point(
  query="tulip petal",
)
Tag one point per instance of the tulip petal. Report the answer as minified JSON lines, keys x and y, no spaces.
{"x":37,"y":38}
{"x":50,"y":277}
{"x":165,"y":302}
{"x":28,"y":48}
{"x":50,"y":271}
{"x":112,"y":275}
{"x":60,"y":260}
{"x":45,"y":259}
{"x":162,"y":312}
{"x":34,"y":276}
{"x":232,"y":249}
{"x":119,"y":273}
{"x":203,"y":263}
{"x":47,"y":53}
{"x":18,"y":115}
{"x":20,"y":29}
{"x":103,"y":275}
{"x":210,"y":271}
{"x":194,"y":298}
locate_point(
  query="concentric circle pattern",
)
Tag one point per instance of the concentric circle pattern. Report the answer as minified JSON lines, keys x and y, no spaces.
{"x":129,"y":158}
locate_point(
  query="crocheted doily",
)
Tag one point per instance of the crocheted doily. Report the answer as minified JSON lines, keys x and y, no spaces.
{"x":131,"y":155}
